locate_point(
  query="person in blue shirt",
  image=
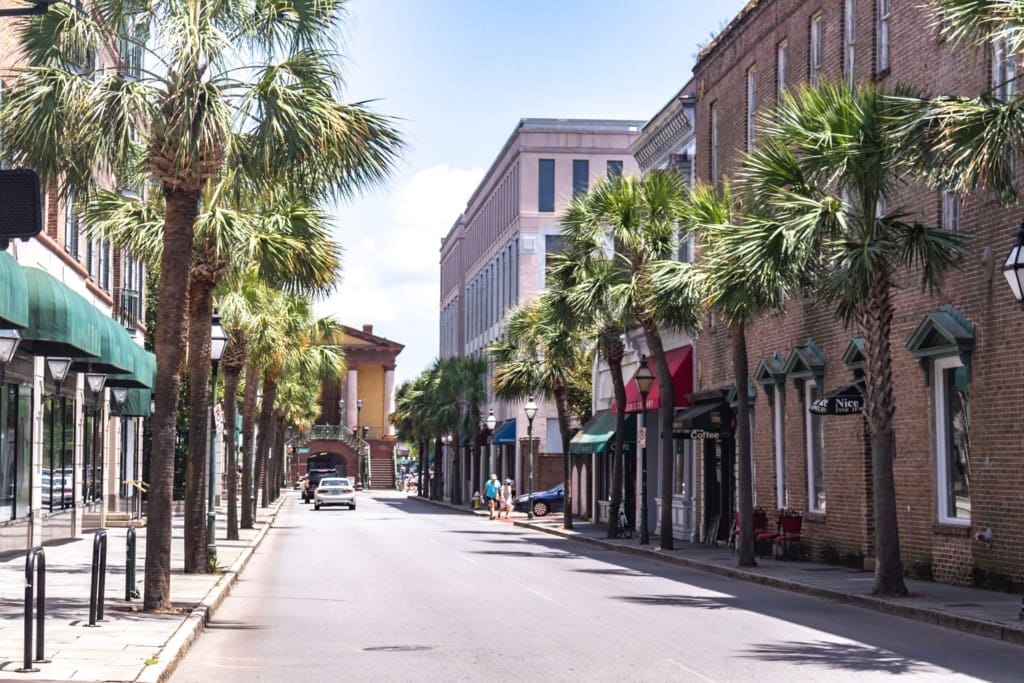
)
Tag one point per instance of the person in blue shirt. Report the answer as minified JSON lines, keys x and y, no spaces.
{"x":491,"y":492}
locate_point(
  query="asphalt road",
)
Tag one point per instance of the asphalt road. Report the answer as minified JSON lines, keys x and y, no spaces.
{"x":400,"y":590}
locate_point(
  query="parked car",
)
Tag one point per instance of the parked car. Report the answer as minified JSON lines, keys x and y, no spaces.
{"x":552,"y":500}
{"x":334,"y":491}
{"x":300,"y":483}
{"x":60,"y":489}
{"x":313,"y":480}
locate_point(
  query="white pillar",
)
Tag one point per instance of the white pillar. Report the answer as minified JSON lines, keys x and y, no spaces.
{"x":389,"y":400}
{"x":351,"y":396}
{"x":77,"y":461}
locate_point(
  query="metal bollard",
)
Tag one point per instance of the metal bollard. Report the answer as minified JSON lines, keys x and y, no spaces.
{"x":129,"y":568}
{"x":40,"y":577}
{"x":99,"y":571}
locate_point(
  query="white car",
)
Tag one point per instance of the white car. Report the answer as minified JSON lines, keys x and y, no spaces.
{"x":334,"y":491}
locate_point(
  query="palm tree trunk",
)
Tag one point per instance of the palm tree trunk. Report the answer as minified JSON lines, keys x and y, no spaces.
{"x":248,"y":436}
{"x":200,"y":302}
{"x":613,"y":350}
{"x":422,"y":473}
{"x":562,"y":410}
{"x":264,"y":436}
{"x":741,"y":370}
{"x":234,"y":359}
{"x":665,"y":414}
{"x":179,"y":221}
{"x":876,"y":326}
{"x":437,"y":488}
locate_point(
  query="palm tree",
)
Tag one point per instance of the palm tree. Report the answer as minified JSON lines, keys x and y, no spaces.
{"x":251,"y":87}
{"x":292,"y":342}
{"x":739,"y":298}
{"x":543,"y":353}
{"x":640,"y":218}
{"x":470,"y":372}
{"x":239,"y":235}
{"x":579,"y":270}
{"x":966,"y":143}
{"x":822,"y":174}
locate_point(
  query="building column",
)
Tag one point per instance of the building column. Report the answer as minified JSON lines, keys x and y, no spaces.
{"x":389,"y":400}
{"x":351,"y":396}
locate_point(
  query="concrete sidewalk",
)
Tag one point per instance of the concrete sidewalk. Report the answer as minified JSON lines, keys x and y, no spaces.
{"x":974,"y":610}
{"x":129,"y":645}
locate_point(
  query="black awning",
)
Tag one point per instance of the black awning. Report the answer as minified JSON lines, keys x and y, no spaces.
{"x":846,"y":400}
{"x":703,"y":421}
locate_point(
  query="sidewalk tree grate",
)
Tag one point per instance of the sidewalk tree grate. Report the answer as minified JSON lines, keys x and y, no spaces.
{"x":397,"y":648}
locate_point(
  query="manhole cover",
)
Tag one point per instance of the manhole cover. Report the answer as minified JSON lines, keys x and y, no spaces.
{"x":396,"y":648}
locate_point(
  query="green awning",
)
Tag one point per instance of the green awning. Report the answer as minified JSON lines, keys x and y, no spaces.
{"x":143,"y":373}
{"x":115,"y":344}
{"x":13,"y":293}
{"x":136,"y":404}
{"x":60,"y":321}
{"x":596,"y":436}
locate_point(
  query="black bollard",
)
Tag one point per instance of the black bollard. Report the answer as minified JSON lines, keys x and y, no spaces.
{"x":129,"y":569}
{"x":99,"y":571}
{"x":39,"y":570}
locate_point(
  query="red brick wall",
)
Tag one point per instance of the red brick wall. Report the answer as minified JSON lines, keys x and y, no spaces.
{"x":918,"y":57}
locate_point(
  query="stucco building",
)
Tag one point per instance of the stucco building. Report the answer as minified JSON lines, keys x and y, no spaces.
{"x":494,"y":257}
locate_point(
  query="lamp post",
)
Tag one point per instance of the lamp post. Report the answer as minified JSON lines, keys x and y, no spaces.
{"x":120,"y":395}
{"x":95,"y":381}
{"x":531,"y":412}
{"x":644,"y":378}
{"x":1013,"y":271}
{"x":218,"y":340}
{"x":491,"y":423}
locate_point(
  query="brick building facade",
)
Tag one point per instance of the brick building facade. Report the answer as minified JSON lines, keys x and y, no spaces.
{"x":956,"y":353}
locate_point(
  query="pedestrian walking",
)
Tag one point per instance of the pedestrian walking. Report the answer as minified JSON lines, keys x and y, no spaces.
{"x":491,"y":492}
{"x":506,"y":499}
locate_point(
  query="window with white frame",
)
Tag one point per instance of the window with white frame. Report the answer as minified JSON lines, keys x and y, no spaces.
{"x":751,"y":106}
{"x":884,"y":12}
{"x":814,"y":53}
{"x":1004,"y":70}
{"x":952,"y":443}
{"x":713,"y":120}
{"x":781,"y":64}
{"x":950,"y":211}
{"x":814,"y":438}
{"x":553,"y":436}
{"x":849,"y":39}
{"x":779,"y":419}
{"x":72,"y":227}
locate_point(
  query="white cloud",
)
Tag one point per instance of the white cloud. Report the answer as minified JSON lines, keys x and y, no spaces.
{"x":391,"y":272}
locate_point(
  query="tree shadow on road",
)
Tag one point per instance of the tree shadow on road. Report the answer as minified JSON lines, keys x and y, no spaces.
{"x":846,"y":656}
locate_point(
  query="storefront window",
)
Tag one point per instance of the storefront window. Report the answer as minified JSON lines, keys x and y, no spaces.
{"x":15,"y":451}
{"x":58,"y":475}
{"x":92,"y":460}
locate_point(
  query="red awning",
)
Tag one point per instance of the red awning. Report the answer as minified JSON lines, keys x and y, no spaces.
{"x":680,"y":365}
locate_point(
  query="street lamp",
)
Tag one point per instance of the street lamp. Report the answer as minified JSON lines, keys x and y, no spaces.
{"x":531,"y":412}
{"x":120,"y":395}
{"x":9,"y":340}
{"x":218,"y":340}
{"x":644,"y":378}
{"x":491,"y":423}
{"x":59,"y":367}
{"x":1013,"y":270}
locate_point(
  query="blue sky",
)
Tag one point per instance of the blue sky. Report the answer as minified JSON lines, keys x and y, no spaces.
{"x":460,"y":74}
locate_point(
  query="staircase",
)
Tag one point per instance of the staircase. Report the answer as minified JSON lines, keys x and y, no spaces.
{"x":382,"y":473}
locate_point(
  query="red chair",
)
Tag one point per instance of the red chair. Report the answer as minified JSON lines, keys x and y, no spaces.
{"x":760,"y":520}
{"x":788,"y":526}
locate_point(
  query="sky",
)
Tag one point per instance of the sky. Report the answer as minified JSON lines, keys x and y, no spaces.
{"x":459,"y":75}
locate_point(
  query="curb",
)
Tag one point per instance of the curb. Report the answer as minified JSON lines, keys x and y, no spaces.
{"x":188,"y":631}
{"x":978,"y":627}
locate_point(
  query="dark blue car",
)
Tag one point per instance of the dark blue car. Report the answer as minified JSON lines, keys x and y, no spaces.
{"x":552,"y":500}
